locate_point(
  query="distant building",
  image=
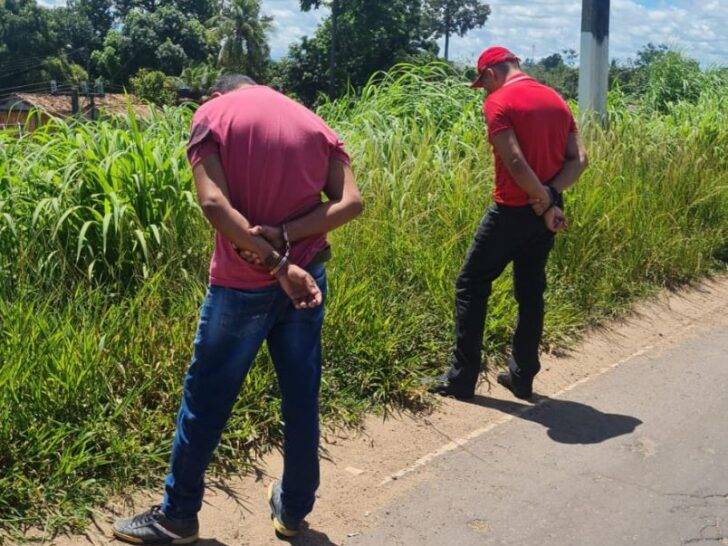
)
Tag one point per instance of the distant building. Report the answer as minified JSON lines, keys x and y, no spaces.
{"x":15,"y":109}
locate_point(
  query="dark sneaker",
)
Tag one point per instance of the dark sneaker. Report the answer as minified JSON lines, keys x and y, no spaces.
{"x":153,"y":527}
{"x":519,"y":391}
{"x":283,"y":525}
{"x":441,"y":385}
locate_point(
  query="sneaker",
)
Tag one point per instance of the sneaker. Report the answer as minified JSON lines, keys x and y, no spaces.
{"x":153,"y":527}
{"x":519,"y":391}
{"x":283,"y":525}
{"x":441,"y":385}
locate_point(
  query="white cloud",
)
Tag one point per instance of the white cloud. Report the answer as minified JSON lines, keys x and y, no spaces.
{"x":290,"y":24}
{"x":545,"y":27}
{"x":542,"y":27}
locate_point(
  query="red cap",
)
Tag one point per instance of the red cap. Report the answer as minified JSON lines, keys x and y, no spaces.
{"x":491,"y":57}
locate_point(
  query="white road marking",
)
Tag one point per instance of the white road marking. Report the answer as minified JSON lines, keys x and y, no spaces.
{"x":459,"y":442}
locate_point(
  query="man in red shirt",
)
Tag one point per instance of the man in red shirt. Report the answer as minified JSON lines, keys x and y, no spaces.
{"x":538,"y":154}
{"x":260,"y":162}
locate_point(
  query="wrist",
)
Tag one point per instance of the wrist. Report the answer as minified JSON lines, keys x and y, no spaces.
{"x":283,"y":269}
{"x":272,"y":260}
{"x":292,"y":232}
{"x":544,"y":195}
{"x":556,"y":197}
{"x":280,"y":268}
{"x":279,"y":238}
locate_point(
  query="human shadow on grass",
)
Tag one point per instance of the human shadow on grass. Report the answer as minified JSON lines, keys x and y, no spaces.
{"x":307,"y":537}
{"x":568,"y":422}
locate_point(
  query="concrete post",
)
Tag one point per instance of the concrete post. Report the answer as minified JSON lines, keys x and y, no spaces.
{"x":594,"y":58}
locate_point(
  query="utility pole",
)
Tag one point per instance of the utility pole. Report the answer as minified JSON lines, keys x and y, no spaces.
{"x":594,"y":58}
{"x":91,"y":94}
{"x":448,"y":22}
{"x":72,"y":92}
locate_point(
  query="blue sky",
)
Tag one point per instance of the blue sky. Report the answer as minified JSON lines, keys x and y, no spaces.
{"x":542,"y":27}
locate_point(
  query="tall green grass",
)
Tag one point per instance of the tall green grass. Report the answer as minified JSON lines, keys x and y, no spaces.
{"x":104,"y":254}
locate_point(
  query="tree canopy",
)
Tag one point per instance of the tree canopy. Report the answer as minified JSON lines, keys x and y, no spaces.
{"x":448,"y":17}
{"x":378,"y":34}
{"x":159,"y":46}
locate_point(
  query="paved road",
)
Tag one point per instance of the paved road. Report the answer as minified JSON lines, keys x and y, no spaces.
{"x":638,"y":455}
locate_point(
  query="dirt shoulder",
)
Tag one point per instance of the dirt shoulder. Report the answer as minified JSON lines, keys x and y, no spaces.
{"x":365,"y":470}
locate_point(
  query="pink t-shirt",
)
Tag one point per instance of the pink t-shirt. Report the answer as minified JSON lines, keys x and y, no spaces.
{"x":275,"y":154}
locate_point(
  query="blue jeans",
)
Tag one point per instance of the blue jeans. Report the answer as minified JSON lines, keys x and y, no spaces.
{"x":233,"y":325}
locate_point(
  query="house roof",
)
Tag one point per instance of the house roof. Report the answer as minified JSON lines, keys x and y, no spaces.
{"x":60,"y":106}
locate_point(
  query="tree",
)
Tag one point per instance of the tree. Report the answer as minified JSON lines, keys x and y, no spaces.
{"x":552,"y":62}
{"x":165,"y":40}
{"x":199,"y":78}
{"x":307,"y":5}
{"x":379,"y":33}
{"x":97,"y":12}
{"x":650,"y":53}
{"x":59,"y":69}
{"x":633,"y":77}
{"x":154,"y":86}
{"x":76,"y":36}
{"x":27,"y":39}
{"x":244,"y":46}
{"x":448,"y":17}
{"x":554,"y":72}
{"x":672,"y":78}
{"x":201,"y":10}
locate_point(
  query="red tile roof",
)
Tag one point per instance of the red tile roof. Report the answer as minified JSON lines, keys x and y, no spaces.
{"x":60,"y":106}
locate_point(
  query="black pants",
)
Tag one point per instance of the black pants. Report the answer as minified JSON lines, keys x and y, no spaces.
{"x":506,"y":234}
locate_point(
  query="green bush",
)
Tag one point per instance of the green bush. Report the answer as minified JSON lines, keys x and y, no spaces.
{"x":155,"y":86}
{"x":671,"y":79}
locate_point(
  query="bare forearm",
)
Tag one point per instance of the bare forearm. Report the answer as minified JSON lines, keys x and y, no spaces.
{"x":323,"y":219}
{"x":236,"y":228}
{"x":526,"y":179}
{"x":568,"y":175}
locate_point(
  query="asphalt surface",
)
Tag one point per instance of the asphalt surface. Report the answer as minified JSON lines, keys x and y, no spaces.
{"x":638,"y":455}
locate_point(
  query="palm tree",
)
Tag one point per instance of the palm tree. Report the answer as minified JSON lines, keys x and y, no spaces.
{"x":243,"y":45}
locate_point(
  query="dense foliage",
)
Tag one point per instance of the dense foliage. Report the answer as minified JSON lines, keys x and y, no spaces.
{"x":185,"y":43}
{"x":103,"y":257}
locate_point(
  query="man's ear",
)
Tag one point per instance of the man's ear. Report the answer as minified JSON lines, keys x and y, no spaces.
{"x":207,"y":98}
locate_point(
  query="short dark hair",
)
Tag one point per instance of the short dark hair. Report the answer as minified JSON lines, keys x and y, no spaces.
{"x":503,"y":67}
{"x":230,"y":82}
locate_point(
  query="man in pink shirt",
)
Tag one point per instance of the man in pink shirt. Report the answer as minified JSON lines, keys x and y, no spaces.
{"x":261,"y":163}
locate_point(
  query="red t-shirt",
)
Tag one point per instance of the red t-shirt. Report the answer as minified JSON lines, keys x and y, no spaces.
{"x":541,"y":121}
{"x":275,"y":154}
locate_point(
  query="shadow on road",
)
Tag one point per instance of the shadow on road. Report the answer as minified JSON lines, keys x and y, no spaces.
{"x":567,"y":422}
{"x":308,"y":537}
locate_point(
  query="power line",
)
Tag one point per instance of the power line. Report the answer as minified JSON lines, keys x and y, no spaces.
{"x":22,"y":71}
{"x":22,"y":68}
{"x":35,"y":90}
{"x":21,"y":63}
{"x":14,"y":88}
{"x":29,"y":59}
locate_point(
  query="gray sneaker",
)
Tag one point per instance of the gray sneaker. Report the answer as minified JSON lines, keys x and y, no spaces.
{"x":153,"y":527}
{"x":283,"y":525}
